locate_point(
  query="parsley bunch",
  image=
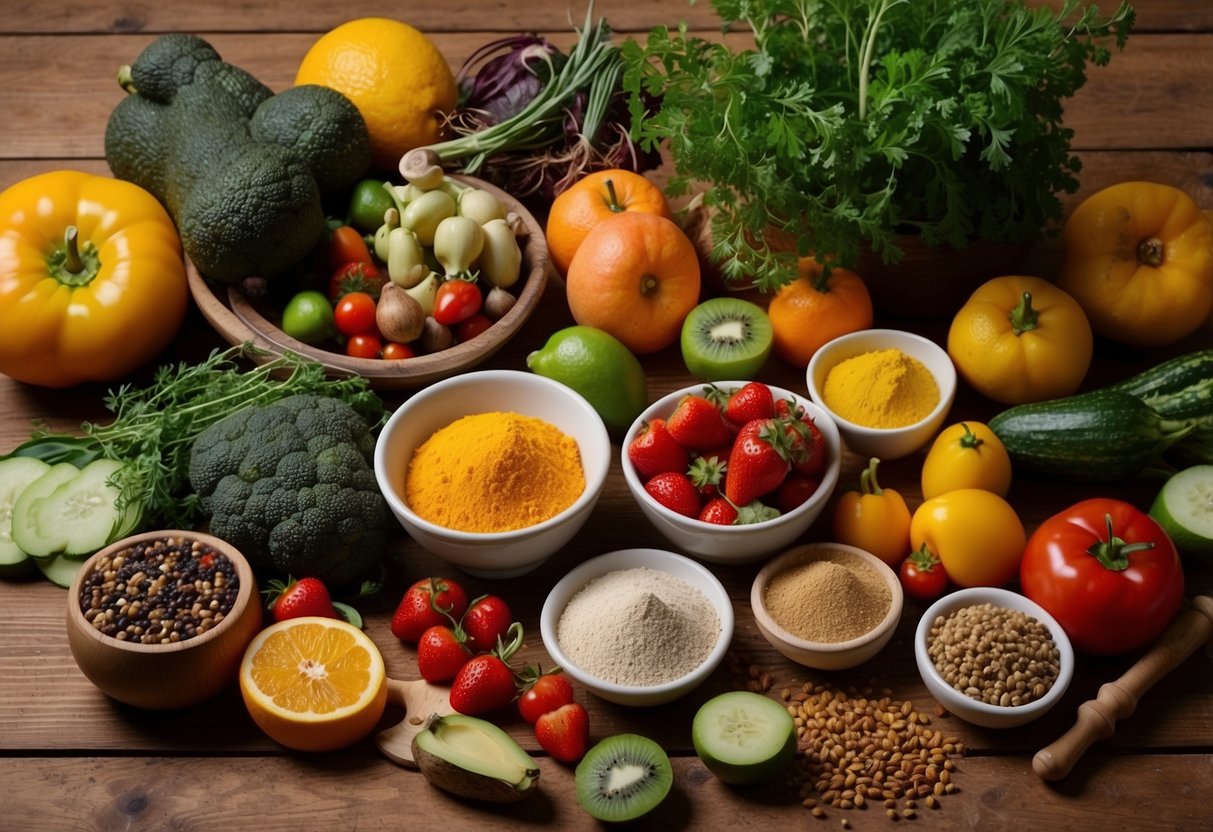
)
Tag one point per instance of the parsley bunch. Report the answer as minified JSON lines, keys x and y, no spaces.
{"x":851,"y":121}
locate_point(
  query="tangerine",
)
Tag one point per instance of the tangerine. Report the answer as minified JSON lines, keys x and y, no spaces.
{"x":592,"y":199}
{"x":636,"y":276}
{"x":815,"y":308}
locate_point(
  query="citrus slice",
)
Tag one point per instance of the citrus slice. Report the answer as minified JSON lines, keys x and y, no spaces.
{"x":314,"y":684}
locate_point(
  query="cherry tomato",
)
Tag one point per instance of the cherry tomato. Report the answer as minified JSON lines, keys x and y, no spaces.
{"x":363,"y":345}
{"x":457,"y":301}
{"x":550,"y":691}
{"x":923,"y":576}
{"x":393,"y":351}
{"x":355,"y":314}
{"x":346,"y":245}
{"x":473,"y":326}
{"x":356,"y":277}
{"x":488,"y":618}
{"x":796,"y":489}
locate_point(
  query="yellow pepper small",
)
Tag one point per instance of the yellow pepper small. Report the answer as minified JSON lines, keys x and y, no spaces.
{"x":976,"y":535}
{"x":92,"y":283}
{"x":966,"y":455}
{"x":874,"y":519}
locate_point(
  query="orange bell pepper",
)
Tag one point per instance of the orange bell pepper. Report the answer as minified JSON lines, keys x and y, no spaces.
{"x":874,"y":519}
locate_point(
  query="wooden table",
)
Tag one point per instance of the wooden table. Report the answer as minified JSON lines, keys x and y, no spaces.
{"x":72,"y":759}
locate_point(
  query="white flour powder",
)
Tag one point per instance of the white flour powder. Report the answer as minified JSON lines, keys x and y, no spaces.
{"x":638,"y":627}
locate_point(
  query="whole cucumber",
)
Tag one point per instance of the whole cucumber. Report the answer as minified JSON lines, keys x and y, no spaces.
{"x":1178,"y":388}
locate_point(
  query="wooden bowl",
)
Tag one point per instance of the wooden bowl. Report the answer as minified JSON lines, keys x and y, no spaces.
{"x":172,"y":675}
{"x":239,"y":319}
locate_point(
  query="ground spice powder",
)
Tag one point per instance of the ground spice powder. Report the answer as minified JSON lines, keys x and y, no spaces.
{"x":835,"y":597}
{"x":881,"y":389}
{"x":640,"y":627}
{"x":494,"y":472}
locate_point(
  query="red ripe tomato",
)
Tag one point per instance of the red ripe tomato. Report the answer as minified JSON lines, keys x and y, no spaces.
{"x":473,"y":326}
{"x":393,"y":351}
{"x":549,"y":692}
{"x":1107,"y":572}
{"x":457,"y":300}
{"x":356,"y":277}
{"x":923,"y":576}
{"x":488,"y":618}
{"x":364,"y":345}
{"x":354,"y":314}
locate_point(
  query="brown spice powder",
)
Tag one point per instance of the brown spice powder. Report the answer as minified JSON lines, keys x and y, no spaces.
{"x":835,"y":597}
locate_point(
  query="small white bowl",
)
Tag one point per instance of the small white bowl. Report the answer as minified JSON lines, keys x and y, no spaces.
{"x":498,"y":554}
{"x":675,"y":565}
{"x":734,"y":544}
{"x":816,"y":654}
{"x":885,"y":443}
{"x":972,"y":710}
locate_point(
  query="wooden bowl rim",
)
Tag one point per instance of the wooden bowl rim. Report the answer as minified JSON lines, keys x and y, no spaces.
{"x":248,"y":588}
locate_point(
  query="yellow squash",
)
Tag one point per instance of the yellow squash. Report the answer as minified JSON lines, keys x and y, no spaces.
{"x":1139,"y":258}
{"x":92,"y":283}
{"x":1021,"y":339}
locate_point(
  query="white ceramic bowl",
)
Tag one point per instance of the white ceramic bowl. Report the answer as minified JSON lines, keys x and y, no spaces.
{"x":734,"y":544}
{"x":676,"y":565}
{"x":971,"y":710}
{"x":885,"y":443}
{"x":824,"y":655}
{"x":500,"y":554}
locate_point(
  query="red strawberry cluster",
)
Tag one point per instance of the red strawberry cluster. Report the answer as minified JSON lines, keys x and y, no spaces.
{"x":731,"y":458}
{"x":470,"y":644}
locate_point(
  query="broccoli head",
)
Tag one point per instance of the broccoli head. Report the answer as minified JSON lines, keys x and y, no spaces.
{"x":290,"y":484}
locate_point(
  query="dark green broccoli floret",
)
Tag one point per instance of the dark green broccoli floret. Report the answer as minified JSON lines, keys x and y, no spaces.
{"x":291,"y":485}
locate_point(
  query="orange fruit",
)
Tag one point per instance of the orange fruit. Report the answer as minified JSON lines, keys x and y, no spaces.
{"x":636,"y":277}
{"x":810,"y":311}
{"x":591,"y":200}
{"x":314,"y":684}
{"x":393,"y":74}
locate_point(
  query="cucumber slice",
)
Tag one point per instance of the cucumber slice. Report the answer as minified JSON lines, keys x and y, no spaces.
{"x":16,"y":474}
{"x":60,"y":570}
{"x":76,"y":517}
{"x":24,"y":533}
{"x":1184,"y":508}
{"x":744,"y":737}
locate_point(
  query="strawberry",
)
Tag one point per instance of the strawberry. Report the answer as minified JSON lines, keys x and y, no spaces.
{"x":426,"y":603}
{"x":759,"y":461}
{"x":753,"y":401}
{"x":675,"y":492}
{"x":488,"y":618}
{"x":796,"y":489}
{"x":707,"y":472}
{"x":808,"y":446}
{"x":296,"y":599}
{"x":486,"y":683}
{"x":698,"y":423}
{"x":564,"y":733}
{"x":441,"y":653}
{"x":719,"y":511}
{"x":654,"y":451}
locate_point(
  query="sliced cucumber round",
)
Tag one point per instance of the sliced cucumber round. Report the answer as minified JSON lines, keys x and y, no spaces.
{"x":16,"y":474}
{"x":73,"y":512}
{"x":59,"y":570}
{"x":744,"y":737}
{"x":1184,"y":508}
{"x":25,"y":532}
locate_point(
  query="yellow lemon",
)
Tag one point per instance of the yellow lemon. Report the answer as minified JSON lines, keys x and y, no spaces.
{"x":314,"y":684}
{"x":395,"y":76}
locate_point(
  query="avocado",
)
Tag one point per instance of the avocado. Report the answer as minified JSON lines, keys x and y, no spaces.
{"x":473,"y":758}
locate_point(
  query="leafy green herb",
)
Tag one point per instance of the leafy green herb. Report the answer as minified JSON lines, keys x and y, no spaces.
{"x":853,"y":120}
{"x":154,"y":427}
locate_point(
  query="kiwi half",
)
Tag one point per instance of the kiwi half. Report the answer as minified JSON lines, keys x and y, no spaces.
{"x":725,"y":339}
{"x":623,"y":777}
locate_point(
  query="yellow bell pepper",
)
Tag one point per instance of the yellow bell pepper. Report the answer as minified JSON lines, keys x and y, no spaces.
{"x":1021,"y":339}
{"x":92,"y":283}
{"x":874,"y":519}
{"x":975,"y":534}
{"x":966,"y":455}
{"x":1139,"y":258}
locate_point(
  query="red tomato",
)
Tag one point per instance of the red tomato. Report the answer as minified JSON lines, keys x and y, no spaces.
{"x":345,"y":245}
{"x":550,"y":691}
{"x":457,"y":301}
{"x":922,"y":575}
{"x":1107,"y":572}
{"x":356,"y":277}
{"x":364,"y":345}
{"x":488,"y":618}
{"x":355,"y":314}
{"x":393,"y":351}
{"x":472,"y":326}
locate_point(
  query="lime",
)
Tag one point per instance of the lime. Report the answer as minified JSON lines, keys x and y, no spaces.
{"x":368,"y":203}
{"x":308,"y":316}
{"x":1184,"y":509}
{"x":599,"y":367}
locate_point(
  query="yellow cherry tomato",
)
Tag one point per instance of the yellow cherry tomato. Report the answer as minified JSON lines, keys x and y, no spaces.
{"x":976,"y":535}
{"x":1020,"y":339}
{"x":966,"y":455}
{"x":874,"y":519}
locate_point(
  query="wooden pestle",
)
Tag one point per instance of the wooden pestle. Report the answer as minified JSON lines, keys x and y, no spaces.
{"x":1117,"y":700}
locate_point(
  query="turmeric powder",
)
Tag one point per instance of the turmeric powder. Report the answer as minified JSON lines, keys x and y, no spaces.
{"x":881,"y":389}
{"x":494,"y":472}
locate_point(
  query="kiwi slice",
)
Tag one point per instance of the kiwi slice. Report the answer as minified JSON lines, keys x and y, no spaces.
{"x":726,"y":339}
{"x":623,"y":777}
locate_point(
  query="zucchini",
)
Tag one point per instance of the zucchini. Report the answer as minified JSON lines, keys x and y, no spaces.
{"x":1180,"y":388}
{"x":1103,"y":434}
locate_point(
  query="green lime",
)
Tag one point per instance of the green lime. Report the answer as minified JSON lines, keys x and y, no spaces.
{"x":368,"y":202}
{"x":308,"y":316}
{"x":599,"y":367}
{"x":1184,"y":509}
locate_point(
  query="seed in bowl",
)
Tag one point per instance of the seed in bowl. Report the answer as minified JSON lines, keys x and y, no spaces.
{"x":639,"y":627}
{"x":159,"y":591}
{"x":994,"y":655}
{"x":835,"y":597}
